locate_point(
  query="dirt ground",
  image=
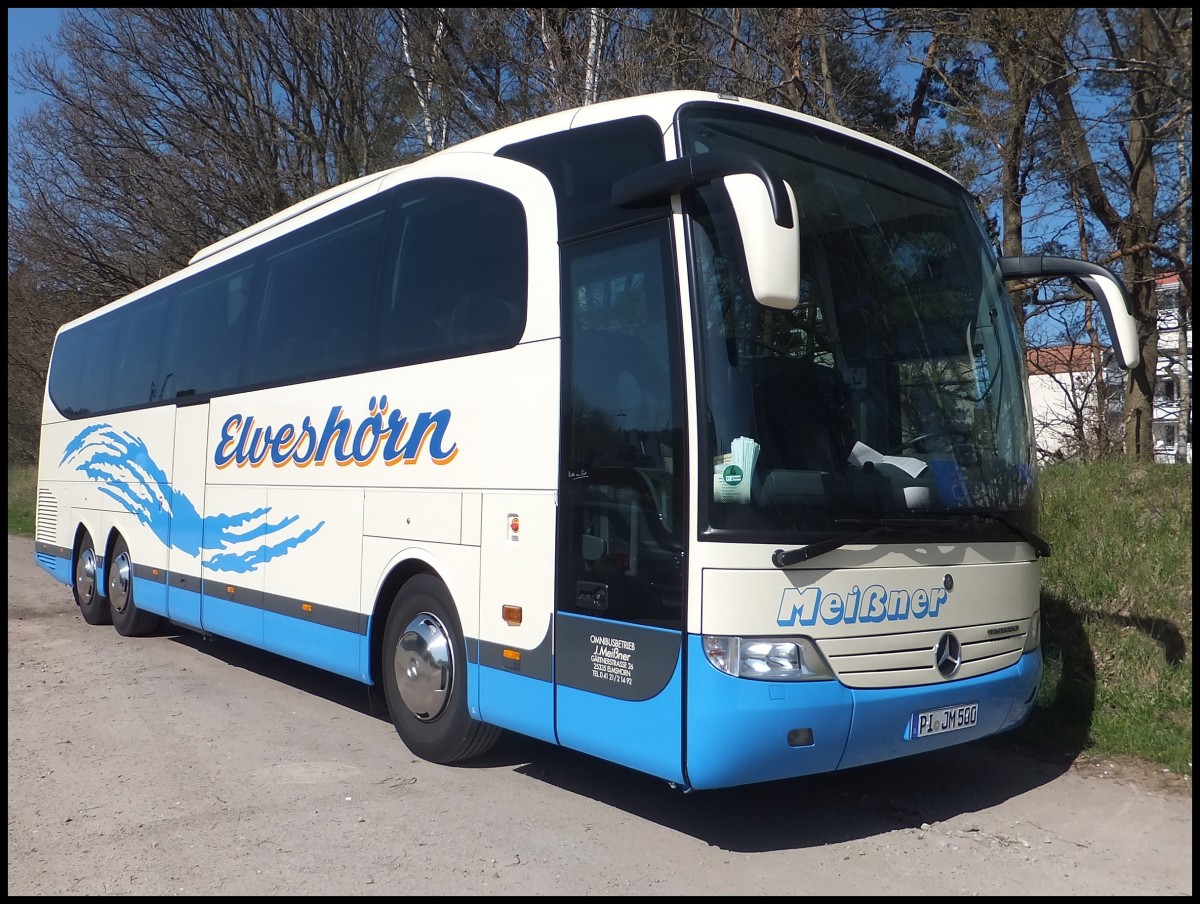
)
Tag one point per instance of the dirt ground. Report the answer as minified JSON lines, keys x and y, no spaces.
{"x":178,"y":765}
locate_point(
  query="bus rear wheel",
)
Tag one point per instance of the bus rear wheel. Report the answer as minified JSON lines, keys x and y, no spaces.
{"x":127,"y":618}
{"x":424,"y":676}
{"x":93,"y":605}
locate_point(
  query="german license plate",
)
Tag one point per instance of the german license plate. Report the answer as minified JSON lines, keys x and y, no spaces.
{"x":952,"y":718}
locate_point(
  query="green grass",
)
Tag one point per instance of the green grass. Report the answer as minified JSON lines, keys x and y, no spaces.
{"x":22,"y":493}
{"x":1117,"y":613}
{"x":1116,"y":610}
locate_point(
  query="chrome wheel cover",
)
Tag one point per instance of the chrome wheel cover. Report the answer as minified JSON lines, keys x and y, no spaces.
{"x":119,"y":575}
{"x":85,"y":575}
{"x":424,"y":667}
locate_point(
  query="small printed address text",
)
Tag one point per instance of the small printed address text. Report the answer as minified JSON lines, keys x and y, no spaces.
{"x":612,"y":659}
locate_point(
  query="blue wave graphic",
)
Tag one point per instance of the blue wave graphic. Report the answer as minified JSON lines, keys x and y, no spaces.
{"x":123,"y":467}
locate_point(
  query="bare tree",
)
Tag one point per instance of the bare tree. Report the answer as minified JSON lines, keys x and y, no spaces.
{"x":34,"y":313}
{"x":1028,"y":96}
{"x":166,"y":129}
{"x":1138,"y":53}
{"x":1183,"y":299}
{"x":170,"y":128}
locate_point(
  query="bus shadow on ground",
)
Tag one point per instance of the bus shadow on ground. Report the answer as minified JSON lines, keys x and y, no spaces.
{"x":908,"y":793}
{"x":308,"y":679}
{"x":911,"y":793}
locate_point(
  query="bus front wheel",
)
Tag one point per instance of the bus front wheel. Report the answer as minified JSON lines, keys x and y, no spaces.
{"x":127,"y":618}
{"x":93,"y":605}
{"x":424,"y":676}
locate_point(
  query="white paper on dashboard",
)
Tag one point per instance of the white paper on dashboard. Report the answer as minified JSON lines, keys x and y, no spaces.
{"x":862,"y":453}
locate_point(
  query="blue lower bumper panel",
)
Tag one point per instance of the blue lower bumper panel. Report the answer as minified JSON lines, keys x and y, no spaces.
{"x":741,"y":731}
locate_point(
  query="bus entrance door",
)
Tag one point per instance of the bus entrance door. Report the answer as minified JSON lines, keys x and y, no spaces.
{"x":619,"y":586}
{"x":617,"y":635}
{"x":618,"y":688}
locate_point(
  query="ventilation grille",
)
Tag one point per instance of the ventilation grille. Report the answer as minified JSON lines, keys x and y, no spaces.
{"x":907,"y":660}
{"x":46,"y":530}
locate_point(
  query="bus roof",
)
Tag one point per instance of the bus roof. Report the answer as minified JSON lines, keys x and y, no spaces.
{"x":661,"y":107}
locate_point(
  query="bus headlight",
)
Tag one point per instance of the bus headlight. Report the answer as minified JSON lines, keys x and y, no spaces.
{"x":766,"y":658}
{"x":1033,"y":639}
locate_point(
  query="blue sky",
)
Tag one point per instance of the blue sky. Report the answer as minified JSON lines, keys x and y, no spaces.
{"x":27,"y":28}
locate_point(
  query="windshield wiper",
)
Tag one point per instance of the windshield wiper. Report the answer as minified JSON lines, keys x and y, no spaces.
{"x":1040,"y":546}
{"x":782,"y":558}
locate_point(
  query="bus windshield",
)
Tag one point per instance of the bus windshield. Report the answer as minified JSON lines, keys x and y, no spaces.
{"x":894,"y":390}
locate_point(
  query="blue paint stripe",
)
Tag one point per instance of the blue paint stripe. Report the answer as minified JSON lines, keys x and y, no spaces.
{"x":150,"y":595}
{"x":232,"y":619}
{"x":516,"y":702}
{"x":642,"y":734}
{"x":341,"y":652}
{"x":58,"y":568}
{"x":183,"y":605}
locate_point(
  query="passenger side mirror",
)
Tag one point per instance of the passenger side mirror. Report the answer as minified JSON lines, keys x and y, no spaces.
{"x":1097,"y":281}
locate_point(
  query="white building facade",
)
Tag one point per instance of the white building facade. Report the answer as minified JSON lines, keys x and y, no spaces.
{"x":1172,"y":425}
{"x":1077,"y":392}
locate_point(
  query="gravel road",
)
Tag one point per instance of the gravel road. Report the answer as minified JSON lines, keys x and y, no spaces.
{"x":179,"y":765}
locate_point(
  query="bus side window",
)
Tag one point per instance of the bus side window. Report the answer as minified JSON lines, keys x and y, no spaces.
{"x":456,"y":272}
{"x":481,"y":319}
{"x":136,"y":358}
{"x":346,"y":348}
{"x":319,"y":292}
{"x":95,"y":368}
{"x":208,"y":331}
{"x":410,"y":325}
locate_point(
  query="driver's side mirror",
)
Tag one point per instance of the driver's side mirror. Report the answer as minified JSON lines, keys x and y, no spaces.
{"x":772,"y":251}
{"x":763,"y":203}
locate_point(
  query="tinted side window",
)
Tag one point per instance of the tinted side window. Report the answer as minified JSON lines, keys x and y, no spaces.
{"x":318,"y":296}
{"x":304,"y":306}
{"x":582,"y":165}
{"x":455,"y":272}
{"x":112,"y":362}
{"x":65,"y":372}
{"x":207,"y":331}
{"x":137,"y":374}
{"x":81,"y":372}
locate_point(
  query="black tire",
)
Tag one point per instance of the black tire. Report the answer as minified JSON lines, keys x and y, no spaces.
{"x":127,"y":618}
{"x":85,"y":586}
{"x":425,"y":676}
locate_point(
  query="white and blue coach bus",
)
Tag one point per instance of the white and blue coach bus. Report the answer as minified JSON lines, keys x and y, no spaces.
{"x":683,"y":431}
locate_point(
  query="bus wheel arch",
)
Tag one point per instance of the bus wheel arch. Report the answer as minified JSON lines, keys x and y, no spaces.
{"x":127,"y":618}
{"x":424,"y":674}
{"x":87,"y":584}
{"x":384,"y":601}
